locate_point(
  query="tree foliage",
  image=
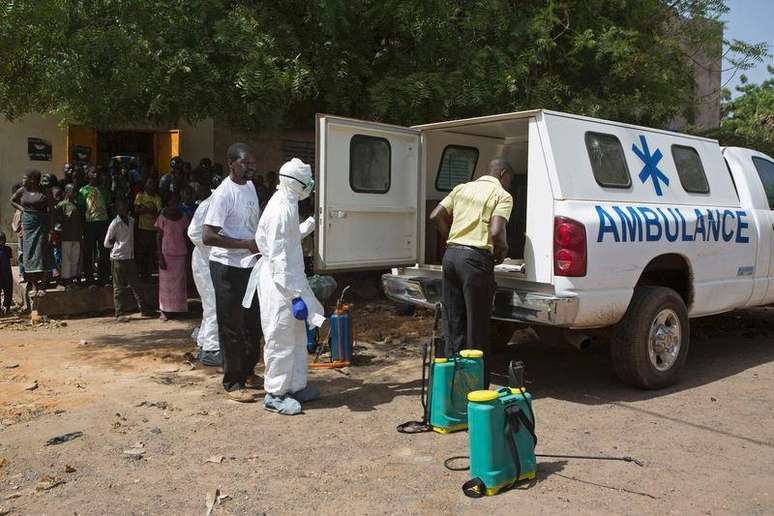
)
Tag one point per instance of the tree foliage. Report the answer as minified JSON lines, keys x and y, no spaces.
{"x":264,"y":64}
{"x":748,"y":119}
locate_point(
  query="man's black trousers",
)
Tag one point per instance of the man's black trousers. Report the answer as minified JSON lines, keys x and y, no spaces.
{"x":468,"y":292}
{"x":95,"y":249}
{"x":238,"y":328}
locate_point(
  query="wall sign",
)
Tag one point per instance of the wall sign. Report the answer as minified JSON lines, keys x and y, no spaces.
{"x":39,"y":149}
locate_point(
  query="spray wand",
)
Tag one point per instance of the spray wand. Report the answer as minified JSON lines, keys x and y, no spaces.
{"x":429,"y":351}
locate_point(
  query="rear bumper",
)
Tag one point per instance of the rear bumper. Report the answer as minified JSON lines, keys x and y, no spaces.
{"x":418,"y":291}
{"x":510,"y":304}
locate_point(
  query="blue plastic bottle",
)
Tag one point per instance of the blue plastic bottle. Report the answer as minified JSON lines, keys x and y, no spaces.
{"x":451,"y":381}
{"x":492,"y":417}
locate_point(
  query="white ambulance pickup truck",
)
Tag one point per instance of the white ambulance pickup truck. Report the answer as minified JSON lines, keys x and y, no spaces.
{"x":614,"y":226}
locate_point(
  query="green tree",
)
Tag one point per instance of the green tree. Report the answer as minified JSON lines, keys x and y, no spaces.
{"x":261,"y":64}
{"x":748,"y":119}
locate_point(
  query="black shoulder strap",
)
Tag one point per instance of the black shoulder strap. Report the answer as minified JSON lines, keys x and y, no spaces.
{"x":528,"y":423}
{"x":512,"y":423}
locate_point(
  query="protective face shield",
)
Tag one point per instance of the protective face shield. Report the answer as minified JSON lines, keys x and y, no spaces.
{"x":308,"y":189}
{"x":297,"y":176}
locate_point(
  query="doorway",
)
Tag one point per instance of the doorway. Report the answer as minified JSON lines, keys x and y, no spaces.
{"x":127,"y":144}
{"x":152,"y":149}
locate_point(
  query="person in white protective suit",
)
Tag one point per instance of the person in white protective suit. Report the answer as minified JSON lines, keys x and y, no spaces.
{"x":285,"y":297}
{"x":207,"y":338}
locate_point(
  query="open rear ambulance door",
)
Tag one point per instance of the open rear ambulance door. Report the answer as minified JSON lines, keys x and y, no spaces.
{"x":368,"y":177}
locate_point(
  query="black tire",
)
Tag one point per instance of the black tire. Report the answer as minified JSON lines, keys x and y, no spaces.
{"x":629,"y":343}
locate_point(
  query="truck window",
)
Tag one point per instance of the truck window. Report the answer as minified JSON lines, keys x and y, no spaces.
{"x":765,"y":170}
{"x":689,"y":169}
{"x":607,"y":160}
{"x":369,"y":164}
{"x":457,"y":166}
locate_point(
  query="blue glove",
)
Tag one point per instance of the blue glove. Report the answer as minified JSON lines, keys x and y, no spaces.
{"x":300,"y":311}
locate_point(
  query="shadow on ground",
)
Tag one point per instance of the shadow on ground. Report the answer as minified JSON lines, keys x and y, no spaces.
{"x":360,"y":395}
{"x":721,"y":346}
{"x":118,"y":351}
{"x":545,"y":470}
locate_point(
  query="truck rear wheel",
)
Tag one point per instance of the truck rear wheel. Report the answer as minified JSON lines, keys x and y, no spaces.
{"x":650,"y":345}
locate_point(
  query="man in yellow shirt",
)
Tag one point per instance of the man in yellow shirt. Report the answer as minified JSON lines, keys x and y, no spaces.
{"x":473,"y":219}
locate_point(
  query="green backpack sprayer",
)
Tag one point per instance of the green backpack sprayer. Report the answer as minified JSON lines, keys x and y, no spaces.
{"x":500,"y":423}
{"x":501,"y":436}
{"x":451,"y":381}
{"x":446,"y":382}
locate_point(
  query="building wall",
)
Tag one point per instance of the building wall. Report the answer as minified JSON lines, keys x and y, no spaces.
{"x":707,"y":75}
{"x":706,"y":63}
{"x":271,"y":149}
{"x":197,"y":141}
{"x":14,"y":159}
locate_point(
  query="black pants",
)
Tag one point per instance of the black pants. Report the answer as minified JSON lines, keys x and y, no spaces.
{"x":468,"y":292}
{"x":95,"y":247}
{"x":6,"y":289}
{"x":238,"y":328}
{"x":145,"y":252}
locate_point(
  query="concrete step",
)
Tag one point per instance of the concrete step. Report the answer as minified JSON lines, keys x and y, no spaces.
{"x":81,"y":301}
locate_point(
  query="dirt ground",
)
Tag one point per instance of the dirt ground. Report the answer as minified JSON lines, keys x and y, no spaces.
{"x":158,"y":434}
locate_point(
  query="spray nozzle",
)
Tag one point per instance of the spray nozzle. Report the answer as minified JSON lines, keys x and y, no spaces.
{"x":340,"y":307}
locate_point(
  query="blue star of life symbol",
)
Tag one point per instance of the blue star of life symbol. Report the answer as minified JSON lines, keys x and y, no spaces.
{"x":650,"y":170}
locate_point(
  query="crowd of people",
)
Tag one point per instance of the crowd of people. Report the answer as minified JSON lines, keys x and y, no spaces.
{"x":62,"y":224}
{"x":238,"y":236}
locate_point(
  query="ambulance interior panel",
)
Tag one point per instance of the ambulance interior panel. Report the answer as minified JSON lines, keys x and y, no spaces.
{"x":506,"y":139}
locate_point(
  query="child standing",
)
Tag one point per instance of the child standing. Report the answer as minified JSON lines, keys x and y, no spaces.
{"x":68,"y":224}
{"x":120,"y":240}
{"x":147,"y":206}
{"x":93,"y":203}
{"x":187,"y":204}
{"x":172,"y":225}
{"x":6,"y":278}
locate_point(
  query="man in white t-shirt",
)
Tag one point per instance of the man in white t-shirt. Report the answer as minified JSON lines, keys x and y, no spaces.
{"x":229,"y":228}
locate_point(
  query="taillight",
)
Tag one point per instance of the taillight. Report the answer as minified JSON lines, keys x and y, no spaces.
{"x":569,"y":247}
